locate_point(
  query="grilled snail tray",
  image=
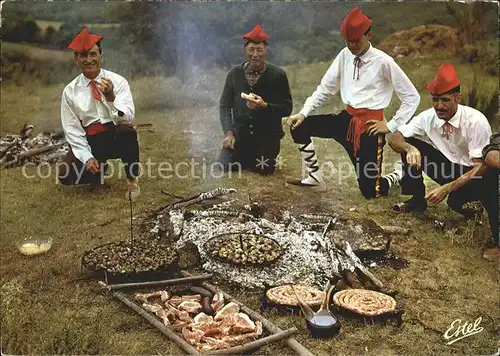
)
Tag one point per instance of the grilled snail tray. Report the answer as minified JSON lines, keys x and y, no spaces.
{"x":131,"y":260}
{"x":243,"y":249}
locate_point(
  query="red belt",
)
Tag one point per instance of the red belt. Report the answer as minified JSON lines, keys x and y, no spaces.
{"x":97,"y":128}
{"x":357,"y":126}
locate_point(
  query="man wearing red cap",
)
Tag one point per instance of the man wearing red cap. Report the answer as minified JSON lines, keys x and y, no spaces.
{"x":366,"y":78}
{"x":448,"y":149}
{"x":256,"y":96}
{"x":96,"y":113}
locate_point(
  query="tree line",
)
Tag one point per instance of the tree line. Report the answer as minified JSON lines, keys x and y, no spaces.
{"x":174,"y":34}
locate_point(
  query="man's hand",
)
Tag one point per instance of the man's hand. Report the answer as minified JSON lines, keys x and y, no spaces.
{"x":229,"y":141}
{"x":295,"y":120}
{"x":255,"y":102}
{"x":106,"y":86}
{"x":413,"y":156}
{"x":92,"y":165}
{"x":437,"y":195}
{"x":376,"y":127}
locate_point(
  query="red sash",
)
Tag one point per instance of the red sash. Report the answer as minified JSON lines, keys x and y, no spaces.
{"x":357,"y":126}
{"x":97,"y":128}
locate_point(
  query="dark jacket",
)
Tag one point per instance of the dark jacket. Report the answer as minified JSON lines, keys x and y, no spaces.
{"x":273,"y":87}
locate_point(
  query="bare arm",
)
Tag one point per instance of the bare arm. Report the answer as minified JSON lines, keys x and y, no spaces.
{"x":399,"y":144}
{"x":437,"y":195}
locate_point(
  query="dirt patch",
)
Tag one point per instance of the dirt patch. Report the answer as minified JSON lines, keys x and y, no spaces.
{"x":421,"y":40}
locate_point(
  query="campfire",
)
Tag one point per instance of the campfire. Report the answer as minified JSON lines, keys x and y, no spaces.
{"x":292,"y":256}
{"x":312,"y":247}
{"x":45,"y":147}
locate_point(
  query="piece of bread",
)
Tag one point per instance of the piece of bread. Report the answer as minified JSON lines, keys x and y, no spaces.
{"x":250,"y":96}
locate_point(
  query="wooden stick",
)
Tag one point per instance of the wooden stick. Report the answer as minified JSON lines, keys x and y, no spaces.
{"x":172,"y":195}
{"x":165,"y":282}
{"x":202,"y":196}
{"x":157,"y":323}
{"x":357,"y":262}
{"x":211,"y":194}
{"x":350,"y":279}
{"x":148,"y":124}
{"x":33,"y":152}
{"x":255,"y":344}
{"x":37,"y":151}
{"x":291,"y":342}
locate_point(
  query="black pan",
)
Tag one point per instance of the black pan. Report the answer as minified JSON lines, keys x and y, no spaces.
{"x":324,"y":324}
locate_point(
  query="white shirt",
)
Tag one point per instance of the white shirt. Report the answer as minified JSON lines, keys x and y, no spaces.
{"x":379,"y":76}
{"x":79,"y":109}
{"x":472,"y":133}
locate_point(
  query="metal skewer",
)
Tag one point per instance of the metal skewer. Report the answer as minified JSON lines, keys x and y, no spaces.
{"x":131,"y":221}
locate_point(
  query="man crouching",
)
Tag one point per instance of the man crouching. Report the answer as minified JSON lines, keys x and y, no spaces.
{"x":96,"y":113}
{"x":446,"y":142}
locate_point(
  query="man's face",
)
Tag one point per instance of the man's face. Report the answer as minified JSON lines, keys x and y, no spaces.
{"x":446,"y":105}
{"x":256,"y":54}
{"x":360,"y":45}
{"x":89,"y":62}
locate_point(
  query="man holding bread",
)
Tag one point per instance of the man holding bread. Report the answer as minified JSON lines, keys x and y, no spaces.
{"x":96,"y":114}
{"x":255,"y":97}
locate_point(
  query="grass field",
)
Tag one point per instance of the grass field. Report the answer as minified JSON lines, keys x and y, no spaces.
{"x":47,"y":308}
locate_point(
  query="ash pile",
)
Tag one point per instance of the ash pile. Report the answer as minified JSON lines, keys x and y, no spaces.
{"x":312,"y":247}
{"x":45,"y":147}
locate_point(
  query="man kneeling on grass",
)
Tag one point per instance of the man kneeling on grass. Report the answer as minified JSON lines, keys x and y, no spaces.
{"x":96,"y":113}
{"x":448,"y":149}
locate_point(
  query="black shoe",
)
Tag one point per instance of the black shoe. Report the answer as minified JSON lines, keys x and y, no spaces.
{"x":384,"y":187}
{"x":412,"y":205}
{"x":470,"y":210}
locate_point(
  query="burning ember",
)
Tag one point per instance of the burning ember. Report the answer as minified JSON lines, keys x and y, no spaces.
{"x":315,"y":247}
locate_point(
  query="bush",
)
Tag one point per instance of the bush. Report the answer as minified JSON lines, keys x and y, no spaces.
{"x":474,"y":43}
{"x":483,"y":96}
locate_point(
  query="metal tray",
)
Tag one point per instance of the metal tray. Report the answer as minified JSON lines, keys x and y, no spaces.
{"x":161,"y":272}
{"x":207,"y":248}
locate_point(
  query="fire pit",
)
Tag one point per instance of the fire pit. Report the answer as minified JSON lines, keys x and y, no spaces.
{"x":312,"y":247}
{"x":16,"y":150}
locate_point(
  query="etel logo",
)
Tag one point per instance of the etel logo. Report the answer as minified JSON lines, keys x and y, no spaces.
{"x":458,"y":331}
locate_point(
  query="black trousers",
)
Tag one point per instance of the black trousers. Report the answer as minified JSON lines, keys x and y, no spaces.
{"x":118,"y":142}
{"x":258,"y":155}
{"x":442,"y":171}
{"x":368,"y":163}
